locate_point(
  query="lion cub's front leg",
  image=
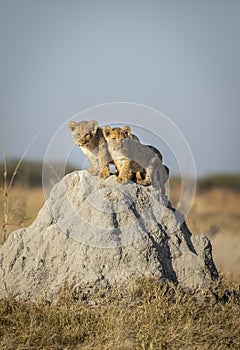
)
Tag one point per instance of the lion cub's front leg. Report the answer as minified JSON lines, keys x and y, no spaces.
{"x":94,"y":166}
{"x":148,"y":177}
{"x":105,"y":172}
{"x":124,"y":171}
{"x":104,"y":166}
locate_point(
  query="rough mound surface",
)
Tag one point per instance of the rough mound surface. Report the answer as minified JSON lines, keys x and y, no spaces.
{"x":93,"y":232}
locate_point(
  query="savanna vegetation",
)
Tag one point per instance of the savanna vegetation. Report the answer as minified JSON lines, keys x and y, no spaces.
{"x":149,"y":315}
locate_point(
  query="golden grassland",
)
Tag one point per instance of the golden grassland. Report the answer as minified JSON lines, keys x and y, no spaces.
{"x":24,"y":204}
{"x":216,"y":213}
{"x":150,"y":316}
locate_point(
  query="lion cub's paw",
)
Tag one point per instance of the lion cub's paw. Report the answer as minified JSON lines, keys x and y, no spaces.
{"x":122,"y":180}
{"x":104,"y":174}
{"x":145,"y":182}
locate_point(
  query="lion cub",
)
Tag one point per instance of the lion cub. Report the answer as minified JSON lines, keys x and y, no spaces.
{"x":89,"y":137}
{"x":131,"y":157}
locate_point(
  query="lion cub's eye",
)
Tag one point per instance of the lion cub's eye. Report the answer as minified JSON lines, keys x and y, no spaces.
{"x":78,"y":135}
{"x":87,"y":135}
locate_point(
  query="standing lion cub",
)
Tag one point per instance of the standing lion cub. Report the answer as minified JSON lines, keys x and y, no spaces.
{"x":131,"y":157}
{"x":89,"y":137}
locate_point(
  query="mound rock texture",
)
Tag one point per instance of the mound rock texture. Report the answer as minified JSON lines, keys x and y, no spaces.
{"x":93,"y":232}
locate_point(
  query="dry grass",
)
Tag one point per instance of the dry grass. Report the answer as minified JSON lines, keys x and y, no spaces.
{"x":216,"y":213}
{"x":24,"y":205}
{"x":149,"y":316}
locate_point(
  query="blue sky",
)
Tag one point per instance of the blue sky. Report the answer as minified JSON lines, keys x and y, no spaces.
{"x":180,"y":57}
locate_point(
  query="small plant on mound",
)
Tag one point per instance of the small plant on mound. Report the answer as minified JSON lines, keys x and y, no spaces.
{"x":6,"y":187}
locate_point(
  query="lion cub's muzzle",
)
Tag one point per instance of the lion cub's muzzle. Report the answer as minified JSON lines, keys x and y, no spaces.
{"x":82,"y":143}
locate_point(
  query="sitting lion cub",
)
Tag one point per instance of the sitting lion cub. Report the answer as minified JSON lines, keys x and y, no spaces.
{"x":131,"y":157}
{"x":89,"y":136}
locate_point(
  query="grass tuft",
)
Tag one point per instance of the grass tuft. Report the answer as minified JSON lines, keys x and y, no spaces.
{"x":147,"y":316}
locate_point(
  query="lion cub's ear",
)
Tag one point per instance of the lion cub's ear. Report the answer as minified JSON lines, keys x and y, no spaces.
{"x":106,"y":131}
{"x":72,"y":126}
{"x":126,"y":131}
{"x":93,"y":126}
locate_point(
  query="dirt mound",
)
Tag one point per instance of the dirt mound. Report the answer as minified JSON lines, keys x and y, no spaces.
{"x":93,"y":232}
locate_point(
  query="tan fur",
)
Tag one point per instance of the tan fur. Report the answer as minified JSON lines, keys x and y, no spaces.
{"x":89,"y":137}
{"x":124,"y":167}
{"x":133,"y":157}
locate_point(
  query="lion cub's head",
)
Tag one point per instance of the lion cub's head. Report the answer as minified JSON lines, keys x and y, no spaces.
{"x":83,"y":132}
{"x":116,"y":136}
